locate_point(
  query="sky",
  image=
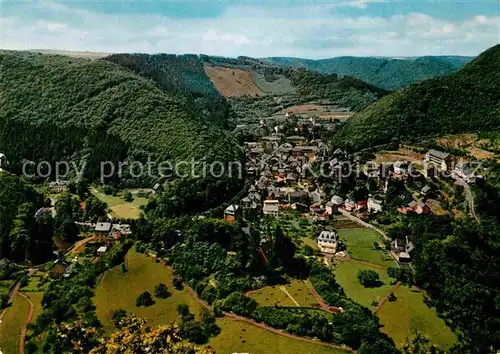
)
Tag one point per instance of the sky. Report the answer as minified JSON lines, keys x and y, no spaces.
{"x":256,"y":28}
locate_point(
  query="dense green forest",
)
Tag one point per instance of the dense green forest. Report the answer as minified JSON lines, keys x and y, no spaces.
{"x":59,"y":108}
{"x":21,"y":235}
{"x":390,"y":74}
{"x":465,"y":101}
{"x":183,"y":77}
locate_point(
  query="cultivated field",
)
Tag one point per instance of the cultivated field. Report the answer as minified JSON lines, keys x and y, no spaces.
{"x":232,"y":82}
{"x":409,"y":311}
{"x":321,"y":111}
{"x":294,"y":294}
{"x":119,"y":291}
{"x":241,"y":337}
{"x":119,"y":207}
{"x":346,"y":275}
{"x":359,"y":244}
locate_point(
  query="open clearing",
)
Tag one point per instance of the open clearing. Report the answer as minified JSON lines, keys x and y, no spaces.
{"x":120,"y":290}
{"x":359,"y":244}
{"x":346,"y":275}
{"x":232,"y":82}
{"x":277,"y":295}
{"x":241,"y":337}
{"x":12,"y":325}
{"x":321,"y":111}
{"x":119,"y":207}
{"x":409,"y":311}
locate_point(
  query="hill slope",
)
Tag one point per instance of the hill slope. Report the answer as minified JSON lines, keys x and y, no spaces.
{"x":468,"y":100}
{"x":59,"y":108}
{"x":387,"y":73}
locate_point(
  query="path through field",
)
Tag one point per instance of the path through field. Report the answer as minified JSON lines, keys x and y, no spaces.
{"x":290,"y":296}
{"x":22,"y":337}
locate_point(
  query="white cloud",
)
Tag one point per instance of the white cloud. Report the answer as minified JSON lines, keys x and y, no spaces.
{"x":311,"y":30}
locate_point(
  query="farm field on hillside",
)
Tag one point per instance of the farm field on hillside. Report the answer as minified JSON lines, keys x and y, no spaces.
{"x":346,"y":275}
{"x":231,"y":82}
{"x":277,"y":295}
{"x":359,"y":244}
{"x":12,"y":324}
{"x":119,"y":207}
{"x":409,"y":311}
{"x":119,"y":291}
{"x":241,"y":337}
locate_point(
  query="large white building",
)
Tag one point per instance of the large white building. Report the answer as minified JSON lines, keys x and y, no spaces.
{"x":327,"y":241}
{"x":271,"y":207}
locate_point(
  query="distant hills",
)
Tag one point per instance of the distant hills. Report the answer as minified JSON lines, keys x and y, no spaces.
{"x":387,"y":73}
{"x":464,"y":101}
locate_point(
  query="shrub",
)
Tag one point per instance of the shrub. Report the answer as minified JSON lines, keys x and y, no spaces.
{"x":368,"y":278}
{"x":127,"y":196}
{"x":118,"y":316}
{"x":392,"y":297}
{"x":145,"y":300}
{"x":177,"y":283}
{"x":161,"y":291}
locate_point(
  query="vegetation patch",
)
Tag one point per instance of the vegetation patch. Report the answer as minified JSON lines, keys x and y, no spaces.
{"x":119,"y":207}
{"x":346,"y":275}
{"x":284,"y":295}
{"x":119,"y":291}
{"x":360,"y":245}
{"x":241,"y":337}
{"x":409,"y":313}
{"x":12,"y":324}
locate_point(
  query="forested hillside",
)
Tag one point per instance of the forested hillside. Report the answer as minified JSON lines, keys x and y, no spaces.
{"x":390,"y":74}
{"x":183,"y":77}
{"x":21,"y":236}
{"x":59,"y":108}
{"x":468,"y":100}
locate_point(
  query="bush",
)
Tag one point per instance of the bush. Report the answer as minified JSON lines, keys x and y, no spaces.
{"x":161,"y":291}
{"x":177,"y":283}
{"x":392,"y":297}
{"x":4,"y":300}
{"x":123,"y":268}
{"x":369,"y":278}
{"x":144,"y":300}
{"x":127,"y":196}
{"x":118,"y":316}
{"x":239,"y":304}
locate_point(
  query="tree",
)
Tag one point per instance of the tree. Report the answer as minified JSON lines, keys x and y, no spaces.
{"x":134,"y":338}
{"x":161,"y":291}
{"x":127,"y":196}
{"x":368,"y":278}
{"x":144,"y":300}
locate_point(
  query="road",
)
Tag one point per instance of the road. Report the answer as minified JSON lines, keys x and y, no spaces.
{"x":469,"y":196}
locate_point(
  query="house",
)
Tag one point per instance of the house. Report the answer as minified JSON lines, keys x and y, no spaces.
{"x":103,"y":228}
{"x":327,"y":242}
{"x":425,"y":191}
{"x":316,"y":208}
{"x":429,"y":172}
{"x":231,"y":213}
{"x":403,"y":248}
{"x":300,"y":207}
{"x":464,"y":171}
{"x":271,"y":207}
{"x":157,"y":188}
{"x":119,"y":230}
{"x":401,"y":167}
{"x":297,"y":140}
{"x":374,"y":205}
{"x":416,"y":206}
{"x":101,"y":250}
{"x":349,"y":205}
{"x":331,"y":208}
{"x":442,"y":160}
{"x":315,"y":196}
{"x":3,"y":161}
{"x":361,"y":205}
{"x":337,"y":200}
{"x":69,"y":270}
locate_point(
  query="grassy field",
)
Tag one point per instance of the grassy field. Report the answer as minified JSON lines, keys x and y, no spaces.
{"x":409,"y":311}
{"x":36,"y":299}
{"x":119,"y":207}
{"x":359,"y":244}
{"x":309,"y":242}
{"x":346,"y":275}
{"x":12,"y":324}
{"x":274,"y":295}
{"x":120,"y":290}
{"x":241,"y":337}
